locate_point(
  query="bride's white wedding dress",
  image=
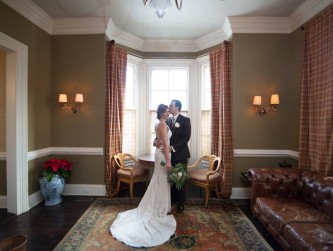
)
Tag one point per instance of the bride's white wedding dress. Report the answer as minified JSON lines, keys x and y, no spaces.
{"x":148,"y":225}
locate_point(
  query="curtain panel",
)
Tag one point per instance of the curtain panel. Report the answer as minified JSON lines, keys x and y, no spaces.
{"x":316,"y":127}
{"x":220,"y":61}
{"x":116,"y":65}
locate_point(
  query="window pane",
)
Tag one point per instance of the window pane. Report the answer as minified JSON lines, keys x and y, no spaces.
{"x":181,"y":96}
{"x":129,"y":132}
{"x":205,"y":132}
{"x":159,"y":79}
{"x":159,"y":97}
{"x":130,"y":76}
{"x":178,"y":79}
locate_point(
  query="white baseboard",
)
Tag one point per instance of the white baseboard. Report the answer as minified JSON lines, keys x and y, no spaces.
{"x":35,"y":199}
{"x":240,"y":193}
{"x":84,"y":190}
{"x":99,"y":190}
{"x":3,"y":201}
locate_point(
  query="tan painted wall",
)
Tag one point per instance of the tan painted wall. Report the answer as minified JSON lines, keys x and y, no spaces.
{"x":78,"y":64}
{"x":39,"y":66}
{"x":264,"y":64}
{"x":3,"y":183}
{"x":2,"y":101}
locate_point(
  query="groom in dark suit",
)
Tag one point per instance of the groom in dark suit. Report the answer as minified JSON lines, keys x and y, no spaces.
{"x":180,"y":153}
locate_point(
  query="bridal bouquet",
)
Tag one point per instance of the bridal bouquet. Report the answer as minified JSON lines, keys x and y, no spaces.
{"x":177,"y":175}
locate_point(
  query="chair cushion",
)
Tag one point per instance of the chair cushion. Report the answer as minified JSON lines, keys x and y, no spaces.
{"x":137,"y":172}
{"x":282,"y":211}
{"x":199,"y":175}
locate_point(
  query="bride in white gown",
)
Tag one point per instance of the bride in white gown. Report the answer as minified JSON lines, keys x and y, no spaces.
{"x":149,"y":224}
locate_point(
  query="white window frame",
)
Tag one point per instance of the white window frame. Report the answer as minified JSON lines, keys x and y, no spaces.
{"x":143,"y":92}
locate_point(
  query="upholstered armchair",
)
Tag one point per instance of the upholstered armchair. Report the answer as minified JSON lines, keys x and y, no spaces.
{"x":130,"y":171}
{"x":204,"y":173}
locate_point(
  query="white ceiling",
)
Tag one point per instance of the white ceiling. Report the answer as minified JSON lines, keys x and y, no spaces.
{"x":198,"y":25}
{"x":196,"y":19}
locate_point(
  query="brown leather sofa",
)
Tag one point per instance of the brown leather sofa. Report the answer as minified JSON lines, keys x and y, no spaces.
{"x":295,"y":206}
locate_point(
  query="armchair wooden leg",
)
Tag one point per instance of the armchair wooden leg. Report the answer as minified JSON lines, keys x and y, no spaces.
{"x":131,"y":190}
{"x":207,"y":195}
{"x":118,"y":186}
{"x":217,"y":191}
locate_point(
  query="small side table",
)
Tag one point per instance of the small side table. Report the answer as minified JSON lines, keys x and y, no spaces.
{"x":147,"y":160}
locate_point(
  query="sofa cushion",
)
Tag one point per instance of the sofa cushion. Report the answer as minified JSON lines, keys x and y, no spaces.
{"x":281,"y":211}
{"x":309,"y":236}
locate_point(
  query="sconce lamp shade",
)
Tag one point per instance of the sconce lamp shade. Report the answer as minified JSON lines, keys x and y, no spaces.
{"x":257,"y":100}
{"x":275,"y":99}
{"x":62,"y":98}
{"x":78,"y":98}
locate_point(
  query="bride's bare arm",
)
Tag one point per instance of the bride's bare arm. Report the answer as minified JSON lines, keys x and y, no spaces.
{"x":163,"y":133}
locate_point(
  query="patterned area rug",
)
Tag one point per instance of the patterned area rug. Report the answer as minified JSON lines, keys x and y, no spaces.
{"x":219,"y":226}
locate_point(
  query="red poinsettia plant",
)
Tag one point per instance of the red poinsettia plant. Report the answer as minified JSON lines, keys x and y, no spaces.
{"x":59,"y":167}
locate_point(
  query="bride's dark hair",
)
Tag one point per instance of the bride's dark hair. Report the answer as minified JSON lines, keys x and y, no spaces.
{"x":161,"y":109}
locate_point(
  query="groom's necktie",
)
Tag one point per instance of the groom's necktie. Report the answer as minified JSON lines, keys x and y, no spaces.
{"x":173,"y":122}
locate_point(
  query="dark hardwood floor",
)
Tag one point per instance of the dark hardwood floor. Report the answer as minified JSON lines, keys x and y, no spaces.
{"x":45,"y":226}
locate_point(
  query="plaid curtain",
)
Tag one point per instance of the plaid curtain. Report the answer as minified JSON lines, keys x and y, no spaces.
{"x":316,"y":128}
{"x":116,"y":63}
{"x":220,"y":61}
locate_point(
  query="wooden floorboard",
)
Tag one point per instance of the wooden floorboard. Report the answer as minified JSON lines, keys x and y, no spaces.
{"x":45,"y":226}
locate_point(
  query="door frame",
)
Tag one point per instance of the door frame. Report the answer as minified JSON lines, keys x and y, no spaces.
{"x":16,"y":124}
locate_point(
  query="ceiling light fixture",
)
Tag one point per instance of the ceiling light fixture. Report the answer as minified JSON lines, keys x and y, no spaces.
{"x":161,"y":7}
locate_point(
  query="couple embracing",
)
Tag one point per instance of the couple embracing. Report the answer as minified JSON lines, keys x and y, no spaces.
{"x":151,"y":223}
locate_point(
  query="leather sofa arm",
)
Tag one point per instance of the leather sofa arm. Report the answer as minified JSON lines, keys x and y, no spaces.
{"x":273,"y":182}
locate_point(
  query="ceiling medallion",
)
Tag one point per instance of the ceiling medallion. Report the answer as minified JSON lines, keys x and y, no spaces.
{"x":161,"y":7}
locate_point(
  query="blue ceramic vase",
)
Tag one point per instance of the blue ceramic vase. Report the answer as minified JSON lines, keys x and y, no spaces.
{"x":51,"y":190}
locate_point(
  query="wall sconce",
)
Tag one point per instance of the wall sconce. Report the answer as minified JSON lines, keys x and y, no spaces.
{"x":71,"y":108}
{"x":275,"y":101}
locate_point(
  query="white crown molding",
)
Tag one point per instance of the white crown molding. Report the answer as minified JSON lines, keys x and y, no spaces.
{"x":306,"y":11}
{"x":240,"y":153}
{"x":32,"y":12}
{"x":169,"y":46}
{"x":216,"y":37}
{"x":125,"y":38}
{"x":68,"y":26}
{"x":281,"y":25}
{"x":259,"y":24}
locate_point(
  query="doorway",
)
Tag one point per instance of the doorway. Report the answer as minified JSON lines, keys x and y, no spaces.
{"x":16,"y":124}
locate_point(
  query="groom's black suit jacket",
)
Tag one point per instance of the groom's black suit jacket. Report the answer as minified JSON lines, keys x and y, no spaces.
{"x":180,"y":136}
